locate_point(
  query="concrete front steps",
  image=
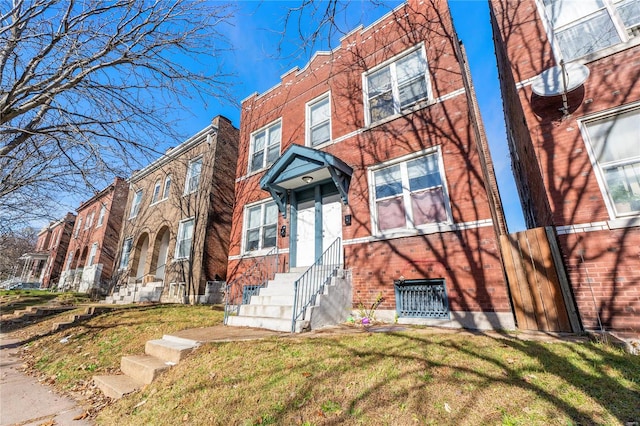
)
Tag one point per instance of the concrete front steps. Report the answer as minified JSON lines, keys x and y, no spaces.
{"x":141,"y":370}
{"x":272,"y":308}
{"x":30,"y":314}
{"x":149,"y":292}
{"x":89,"y":312}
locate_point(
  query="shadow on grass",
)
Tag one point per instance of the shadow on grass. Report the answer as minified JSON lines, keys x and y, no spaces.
{"x":580,"y":381}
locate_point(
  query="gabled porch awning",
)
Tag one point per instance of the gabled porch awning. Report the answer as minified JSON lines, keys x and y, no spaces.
{"x":301,"y":166}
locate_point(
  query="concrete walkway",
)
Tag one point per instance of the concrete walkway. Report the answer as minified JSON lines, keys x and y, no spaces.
{"x":25,"y":401}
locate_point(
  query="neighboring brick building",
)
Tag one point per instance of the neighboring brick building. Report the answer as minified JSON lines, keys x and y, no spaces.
{"x":91,"y":253}
{"x":577,"y":160}
{"x":175,"y":234}
{"x":46,"y":263}
{"x":376,"y":142}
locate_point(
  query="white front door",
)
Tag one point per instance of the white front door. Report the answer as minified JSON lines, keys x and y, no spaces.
{"x":306,"y":235}
{"x":331,"y":220}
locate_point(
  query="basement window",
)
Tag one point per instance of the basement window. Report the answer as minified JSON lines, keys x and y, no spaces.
{"x":422,"y":298}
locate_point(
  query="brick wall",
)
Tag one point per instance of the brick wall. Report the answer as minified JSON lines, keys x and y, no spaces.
{"x":554,"y":173}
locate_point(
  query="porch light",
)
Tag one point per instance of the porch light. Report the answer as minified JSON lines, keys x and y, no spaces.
{"x":307,"y":179}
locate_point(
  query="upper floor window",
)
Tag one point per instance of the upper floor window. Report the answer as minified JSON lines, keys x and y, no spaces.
{"x":156,"y":192}
{"x":261,"y":222}
{"x":265,"y":147}
{"x":78,"y":226}
{"x":193,"y":176}
{"x":126,"y":251}
{"x":135,"y":205}
{"x":397,"y":85}
{"x":89,"y":220}
{"x":103,"y":211}
{"x":615,"y":150}
{"x":581,"y":27}
{"x":409,"y":194}
{"x":167,"y":188}
{"x":319,"y":121}
{"x":92,"y":254}
{"x":185,"y":239}
{"x":52,"y":242}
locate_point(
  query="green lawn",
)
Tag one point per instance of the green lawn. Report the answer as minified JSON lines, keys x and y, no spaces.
{"x":416,"y":376}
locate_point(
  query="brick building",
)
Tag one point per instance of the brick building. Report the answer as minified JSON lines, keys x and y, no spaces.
{"x":175,"y":234}
{"x":378,"y":143}
{"x":93,"y":246}
{"x":46,"y":263}
{"x":575,"y":142}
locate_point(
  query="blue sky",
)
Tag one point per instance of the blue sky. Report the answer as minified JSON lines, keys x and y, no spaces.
{"x":256,"y":34}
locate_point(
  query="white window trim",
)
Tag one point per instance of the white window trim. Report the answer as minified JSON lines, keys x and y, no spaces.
{"x":135,"y":207}
{"x":176,"y":257}
{"x":583,"y":122}
{"x":245,"y":223}
{"x":92,"y":254}
{"x":101,"y":215}
{"x":189,"y":176}
{"x":421,"y":229}
{"x":625,"y":43}
{"x":124,"y":242}
{"x":156,"y":197}
{"x":165,"y":196}
{"x":394,"y":83}
{"x":308,"y":107}
{"x":77,"y":230}
{"x":251,"y":147}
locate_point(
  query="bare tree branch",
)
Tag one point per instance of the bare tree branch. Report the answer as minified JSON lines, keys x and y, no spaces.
{"x":87,"y":87}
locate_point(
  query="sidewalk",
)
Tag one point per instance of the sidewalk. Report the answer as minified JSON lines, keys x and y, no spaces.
{"x":25,"y":401}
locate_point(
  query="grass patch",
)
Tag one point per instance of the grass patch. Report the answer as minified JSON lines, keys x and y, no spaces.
{"x":97,"y":345}
{"x":14,"y":300}
{"x":394,"y":379}
{"x":413,"y":377}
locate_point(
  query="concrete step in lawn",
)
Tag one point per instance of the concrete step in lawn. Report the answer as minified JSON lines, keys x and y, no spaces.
{"x":141,"y":370}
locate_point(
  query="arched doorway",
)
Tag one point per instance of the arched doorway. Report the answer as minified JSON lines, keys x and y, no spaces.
{"x":140,"y":256}
{"x":160,"y":251}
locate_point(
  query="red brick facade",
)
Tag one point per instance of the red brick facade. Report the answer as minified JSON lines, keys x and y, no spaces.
{"x":93,"y":245}
{"x":558,"y":179}
{"x":47,"y":262}
{"x":463,"y":250}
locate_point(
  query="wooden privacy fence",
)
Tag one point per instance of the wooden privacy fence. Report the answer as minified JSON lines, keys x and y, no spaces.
{"x":539,"y":289}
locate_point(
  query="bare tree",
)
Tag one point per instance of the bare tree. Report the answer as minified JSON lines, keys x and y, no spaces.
{"x":12,"y":246}
{"x":87,"y":88}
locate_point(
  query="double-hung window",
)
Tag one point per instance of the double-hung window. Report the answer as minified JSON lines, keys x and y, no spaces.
{"x":167,"y":188}
{"x":397,"y":85}
{"x":614,"y":143}
{"x":156,"y":192}
{"x":319,"y":121}
{"x":193,"y":176}
{"x":581,"y":27}
{"x":126,"y":251}
{"x":265,"y":147}
{"x":103,"y":211}
{"x":78,"y":226}
{"x":135,"y":205}
{"x":185,"y":239}
{"x":409,"y":194}
{"x":92,"y":254}
{"x":261,"y":222}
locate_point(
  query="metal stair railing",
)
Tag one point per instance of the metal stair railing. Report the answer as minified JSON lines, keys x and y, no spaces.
{"x":239,"y":291}
{"x":312,"y":281}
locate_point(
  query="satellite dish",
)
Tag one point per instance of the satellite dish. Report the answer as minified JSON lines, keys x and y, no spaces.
{"x":551,"y":82}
